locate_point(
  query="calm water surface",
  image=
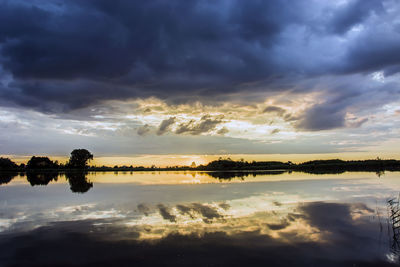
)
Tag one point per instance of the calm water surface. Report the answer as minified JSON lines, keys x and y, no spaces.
{"x":198,"y":219}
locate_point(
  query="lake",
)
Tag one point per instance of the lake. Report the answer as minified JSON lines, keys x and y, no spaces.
{"x":199,"y":219}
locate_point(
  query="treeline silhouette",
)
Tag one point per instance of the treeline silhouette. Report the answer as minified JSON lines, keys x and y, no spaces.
{"x":229,"y":164}
{"x":80,"y":157}
{"x":242,"y":175}
{"x":337,"y":165}
{"x":315,"y":166}
{"x":77,"y":179}
{"x":78,"y":161}
{"x":40,"y":171}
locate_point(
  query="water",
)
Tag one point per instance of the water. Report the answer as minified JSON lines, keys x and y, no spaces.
{"x":198,"y":219}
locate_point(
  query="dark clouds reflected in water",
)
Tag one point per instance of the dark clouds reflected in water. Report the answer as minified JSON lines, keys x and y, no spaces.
{"x":295,"y":219}
{"x":344,"y":240}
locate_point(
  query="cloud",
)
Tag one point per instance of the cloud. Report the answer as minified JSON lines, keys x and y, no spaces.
{"x":144,"y":130}
{"x":199,"y":51}
{"x":83,"y":64}
{"x":108,"y":240}
{"x":223,"y":131}
{"x":333,"y":216}
{"x":165,"y":213}
{"x":131,"y":54}
{"x":207,"y":213}
{"x":354,"y":95}
{"x":274,"y":109}
{"x":275,"y":131}
{"x":143,"y":208}
{"x":278,"y":226}
{"x":354,"y":13}
{"x":165,"y":125}
{"x":225,"y":206}
{"x":357,"y":122}
{"x":205,"y":125}
{"x":322,"y":117}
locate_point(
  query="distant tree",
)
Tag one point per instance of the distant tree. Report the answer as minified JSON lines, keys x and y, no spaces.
{"x":41,"y":163}
{"x":7,"y":164}
{"x":193,"y":165}
{"x":79,"y":158}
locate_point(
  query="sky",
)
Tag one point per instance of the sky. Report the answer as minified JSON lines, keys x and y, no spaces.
{"x":172,"y":82}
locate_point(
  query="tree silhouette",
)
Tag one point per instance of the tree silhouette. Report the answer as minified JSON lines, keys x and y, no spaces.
{"x":78,"y":182}
{"x":41,"y":178}
{"x":6,"y":177}
{"x":79,"y":158}
{"x":7,"y":164}
{"x":41,"y":163}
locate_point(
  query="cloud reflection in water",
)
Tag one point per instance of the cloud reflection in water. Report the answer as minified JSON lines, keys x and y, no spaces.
{"x":313,"y":233}
{"x":325,"y":221}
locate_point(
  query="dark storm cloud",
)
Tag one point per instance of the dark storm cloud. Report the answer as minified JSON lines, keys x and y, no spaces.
{"x":67,"y":55}
{"x":375,"y":52}
{"x":341,"y":98}
{"x":322,"y":117}
{"x":354,"y":13}
{"x":152,"y":48}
